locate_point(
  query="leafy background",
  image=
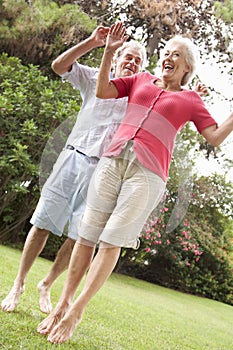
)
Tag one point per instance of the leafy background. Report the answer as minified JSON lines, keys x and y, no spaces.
{"x":196,"y":255}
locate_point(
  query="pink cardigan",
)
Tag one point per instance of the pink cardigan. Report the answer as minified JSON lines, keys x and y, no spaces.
{"x":153,"y":118}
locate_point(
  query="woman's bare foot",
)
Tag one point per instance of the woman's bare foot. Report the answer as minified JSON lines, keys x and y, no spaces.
{"x":44,"y":300}
{"x":11,"y":301}
{"x":64,"y":330}
{"x":46,"y":326}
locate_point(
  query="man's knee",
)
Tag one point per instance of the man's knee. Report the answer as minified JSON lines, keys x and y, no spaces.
{"x":69,"y":244}
{"x":36,"y":231}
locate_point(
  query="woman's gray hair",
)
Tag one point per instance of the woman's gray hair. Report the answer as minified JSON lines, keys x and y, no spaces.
{"x":132,"y":44}
{"x":191,"y":55}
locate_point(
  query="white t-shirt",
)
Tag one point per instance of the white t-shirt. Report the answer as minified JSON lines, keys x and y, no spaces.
{"x":98,"y":119}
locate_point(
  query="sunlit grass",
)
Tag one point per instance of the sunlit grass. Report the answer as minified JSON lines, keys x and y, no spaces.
{"x":126,"y":314}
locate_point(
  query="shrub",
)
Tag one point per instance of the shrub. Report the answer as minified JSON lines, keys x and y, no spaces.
{"x":32,"y":106}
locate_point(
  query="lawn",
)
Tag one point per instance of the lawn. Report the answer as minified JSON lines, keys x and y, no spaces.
{"x":126,"y":314}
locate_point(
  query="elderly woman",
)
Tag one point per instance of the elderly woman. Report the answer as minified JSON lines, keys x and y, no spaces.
{"x":130,"y":179}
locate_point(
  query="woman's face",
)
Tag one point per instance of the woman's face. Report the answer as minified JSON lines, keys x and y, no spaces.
{"x":174,"y":64}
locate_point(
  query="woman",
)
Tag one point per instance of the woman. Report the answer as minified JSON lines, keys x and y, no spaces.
{"x":130,"y":179}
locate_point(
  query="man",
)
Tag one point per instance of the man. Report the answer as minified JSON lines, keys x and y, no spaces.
{"x":63,"y":196}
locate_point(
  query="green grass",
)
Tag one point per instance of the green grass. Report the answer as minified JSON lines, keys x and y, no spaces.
{"x":126,"y":314}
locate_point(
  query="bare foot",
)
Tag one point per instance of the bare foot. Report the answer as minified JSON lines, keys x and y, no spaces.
{"x":46,"y":326}
{"x":64,"y":330}
{"x":12,"y":299}
{"x":44,"y":300}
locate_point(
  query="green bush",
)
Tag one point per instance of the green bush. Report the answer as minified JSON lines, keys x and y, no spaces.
{"x":196,"y":257}
{"x":31,"y":108}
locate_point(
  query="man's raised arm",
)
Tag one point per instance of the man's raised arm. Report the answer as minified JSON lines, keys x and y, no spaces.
{"x":63,"y":62}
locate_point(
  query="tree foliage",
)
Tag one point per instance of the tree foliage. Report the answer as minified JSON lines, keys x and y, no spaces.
{"x":38,"y":31}
{"x":224,"y":10}
{"x":32,"y":106}
{"x":162,"y":19}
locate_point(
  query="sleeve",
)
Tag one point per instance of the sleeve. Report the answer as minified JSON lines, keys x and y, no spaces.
{"x":201,"y":116}
{"x":80,"y":75}
{"x":123,"y":85}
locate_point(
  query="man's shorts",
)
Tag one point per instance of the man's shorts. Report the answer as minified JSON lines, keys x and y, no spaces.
{"x":121,"y":195}
{"x":63,"y":197}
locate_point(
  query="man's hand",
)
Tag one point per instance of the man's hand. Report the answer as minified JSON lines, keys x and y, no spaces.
{"x":200,"y":88}
{"x":100,"y":35}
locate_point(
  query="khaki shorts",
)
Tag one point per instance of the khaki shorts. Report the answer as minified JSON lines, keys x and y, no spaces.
{"x":121,"y":195}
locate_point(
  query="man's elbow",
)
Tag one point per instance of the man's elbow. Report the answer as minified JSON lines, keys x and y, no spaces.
{"x":54,"y":66}
{"x":59,"y":68}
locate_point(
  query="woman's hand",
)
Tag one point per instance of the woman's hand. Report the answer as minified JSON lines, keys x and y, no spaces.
{"x":116,"y":37}
{"x":200,"y":88}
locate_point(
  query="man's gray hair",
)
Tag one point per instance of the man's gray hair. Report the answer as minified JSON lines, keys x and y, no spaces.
{"x":132,"y":44}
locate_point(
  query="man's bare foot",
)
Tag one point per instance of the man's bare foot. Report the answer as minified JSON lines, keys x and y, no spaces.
{"x":64,"y":330}
{"x":44,"y":300}
{"x":12,"y":299}
{"x":46,"y":326}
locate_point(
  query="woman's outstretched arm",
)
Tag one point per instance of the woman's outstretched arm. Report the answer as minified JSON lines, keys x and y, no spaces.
{"x":216,"y":135}
{"x":116,"y":37}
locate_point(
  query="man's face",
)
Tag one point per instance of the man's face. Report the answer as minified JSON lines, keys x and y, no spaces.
{"x":129,"y":63}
